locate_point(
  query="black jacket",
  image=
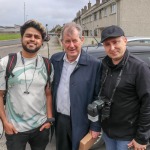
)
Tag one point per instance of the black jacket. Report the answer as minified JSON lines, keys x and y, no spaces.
{"x":130,"y":109}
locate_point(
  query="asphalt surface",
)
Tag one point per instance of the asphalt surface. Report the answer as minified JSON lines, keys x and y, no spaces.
{"x":10,"y":42}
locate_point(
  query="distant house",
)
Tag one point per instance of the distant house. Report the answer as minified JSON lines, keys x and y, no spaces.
{"x":58,"y":29}
{"x":10,"y":29}
{"x":2,"y":28}
{"x":131,"y":15}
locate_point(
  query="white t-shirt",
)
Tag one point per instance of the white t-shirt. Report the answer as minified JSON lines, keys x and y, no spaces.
{"x":25,"y":111}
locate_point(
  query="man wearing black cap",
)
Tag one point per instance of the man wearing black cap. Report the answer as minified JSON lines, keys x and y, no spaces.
{"x":126,"y":88}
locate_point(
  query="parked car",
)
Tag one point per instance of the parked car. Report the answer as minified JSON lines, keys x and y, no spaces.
{"x":142,"y":52}
{"x":137,"y":45}
{"x":138,"y":41}
{"x":133,"y":40}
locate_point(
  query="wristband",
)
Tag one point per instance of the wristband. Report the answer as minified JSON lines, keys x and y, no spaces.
{"x":50,"y":120}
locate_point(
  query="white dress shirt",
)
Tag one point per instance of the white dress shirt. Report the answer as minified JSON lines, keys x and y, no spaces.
{"x":63,"y":94}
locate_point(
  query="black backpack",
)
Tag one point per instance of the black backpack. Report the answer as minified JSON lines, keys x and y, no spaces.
{"x":11,"y":64}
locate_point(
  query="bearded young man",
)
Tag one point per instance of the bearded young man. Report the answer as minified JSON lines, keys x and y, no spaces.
{"x":28,"y":99}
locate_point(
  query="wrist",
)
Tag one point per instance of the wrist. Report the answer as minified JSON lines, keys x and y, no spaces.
{"x":50,"y":120}
{"x":5,"y":121}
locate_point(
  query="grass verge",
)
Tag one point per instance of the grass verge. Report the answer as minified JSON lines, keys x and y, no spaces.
{"x":9,"y":36}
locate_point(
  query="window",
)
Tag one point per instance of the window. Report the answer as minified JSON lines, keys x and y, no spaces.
{"x":95,"y":32}
{"x":113,"y":8}
{"x":100,"y":14}
{"x":91,"y":18}
{"x":105,"y":12}
{"x":95,"y":16}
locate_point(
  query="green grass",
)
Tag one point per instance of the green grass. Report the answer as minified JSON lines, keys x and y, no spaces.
{"x":9,"y":36}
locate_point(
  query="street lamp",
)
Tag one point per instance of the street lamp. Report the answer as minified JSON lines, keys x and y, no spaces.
{"x":24,"y":11}
{"x":26,"y":17}
{"x":47,"y":38}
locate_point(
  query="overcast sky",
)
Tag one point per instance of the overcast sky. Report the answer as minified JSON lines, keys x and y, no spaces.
{"x":51,"y":12}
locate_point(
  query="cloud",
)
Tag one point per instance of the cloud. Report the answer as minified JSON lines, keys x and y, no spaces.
{"x":51,"y":12}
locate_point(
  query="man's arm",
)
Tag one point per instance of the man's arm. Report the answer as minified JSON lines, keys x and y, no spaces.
{"x":143,"y":91}
{"x":49,"y":102}
{"x":48,"y":106}
{"x":95,"y":127}
{"x":2,"y":111}
{"x":8,"y":127}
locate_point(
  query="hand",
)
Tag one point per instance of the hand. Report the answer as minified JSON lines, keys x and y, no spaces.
{"x":94,"y":134}
{"x":45,"y":126}
{"x":136,"y":146}
{"x":9,"y":128}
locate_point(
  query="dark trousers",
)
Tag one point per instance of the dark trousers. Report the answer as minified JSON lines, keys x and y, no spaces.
{"x":37,"y":140}
{"x":63,"y":133}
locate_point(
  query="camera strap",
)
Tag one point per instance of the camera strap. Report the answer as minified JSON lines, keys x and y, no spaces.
{"x":117,"y":81}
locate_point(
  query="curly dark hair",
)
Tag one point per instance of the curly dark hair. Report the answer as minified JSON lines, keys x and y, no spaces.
{"x":35,"y":24}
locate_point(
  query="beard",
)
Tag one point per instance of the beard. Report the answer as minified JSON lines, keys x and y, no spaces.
{"x":30,"y":50}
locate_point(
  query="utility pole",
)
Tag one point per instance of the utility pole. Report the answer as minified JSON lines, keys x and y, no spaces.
{"x":47,"y":39}
{"x":26,"y":17}
{"x":24,"y":11}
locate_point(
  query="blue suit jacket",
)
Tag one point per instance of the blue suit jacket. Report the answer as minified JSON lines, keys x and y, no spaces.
{"x":84,"y":87}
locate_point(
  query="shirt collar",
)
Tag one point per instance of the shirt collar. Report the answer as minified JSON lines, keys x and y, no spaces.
{"x":66,"y":59}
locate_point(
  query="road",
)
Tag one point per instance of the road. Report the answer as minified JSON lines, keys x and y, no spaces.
{"x":8,"y":43}
{"x":16,"y":47}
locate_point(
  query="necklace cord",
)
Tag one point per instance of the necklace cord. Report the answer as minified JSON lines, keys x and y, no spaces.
{"x":28,"y":86}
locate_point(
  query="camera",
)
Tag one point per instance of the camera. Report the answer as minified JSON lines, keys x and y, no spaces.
{"x":99,"y":106}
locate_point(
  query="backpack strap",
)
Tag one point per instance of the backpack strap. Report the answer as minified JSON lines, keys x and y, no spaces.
{"x":48,"y":68}
{"x":10,"y":65}
{"x":12,"y":59}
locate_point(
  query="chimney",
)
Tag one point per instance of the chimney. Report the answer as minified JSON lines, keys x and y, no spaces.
{"x":79,"y":13}
{"x":85,"y":8}
{"x":82,"y":10}
{"x":89,"y":5}
{"x":97,"y":2}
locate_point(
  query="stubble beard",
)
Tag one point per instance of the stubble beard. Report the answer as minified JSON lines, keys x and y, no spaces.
{"x":30,"y":50}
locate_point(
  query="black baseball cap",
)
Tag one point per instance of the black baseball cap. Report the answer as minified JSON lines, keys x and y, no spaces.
{"x":110,"y":32}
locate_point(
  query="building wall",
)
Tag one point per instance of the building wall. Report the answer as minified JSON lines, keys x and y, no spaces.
{"x":9,"y":29}
{"x":134,"y":17}
{"x":131,"y":15}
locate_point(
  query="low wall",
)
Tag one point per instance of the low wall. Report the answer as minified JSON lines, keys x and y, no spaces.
{"x":88,"y":40}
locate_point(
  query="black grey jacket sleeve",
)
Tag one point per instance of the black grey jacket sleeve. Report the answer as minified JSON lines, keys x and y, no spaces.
{"x":143,"y":91}
{"x":95,"y":126}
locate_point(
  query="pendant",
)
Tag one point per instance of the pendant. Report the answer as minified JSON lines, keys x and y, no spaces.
{"x":26,"y":92}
